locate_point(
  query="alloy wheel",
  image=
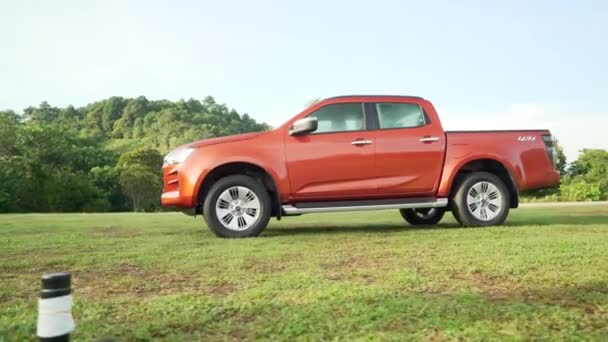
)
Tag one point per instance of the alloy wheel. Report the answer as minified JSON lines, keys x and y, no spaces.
{"x":238,"y":208}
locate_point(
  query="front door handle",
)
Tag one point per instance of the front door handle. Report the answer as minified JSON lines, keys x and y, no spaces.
{"x":429,"y":139}
{"x":360,"y":142}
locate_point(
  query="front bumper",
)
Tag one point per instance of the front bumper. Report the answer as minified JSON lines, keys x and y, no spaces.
{"x":179,"y":186}
{"x":175,"y":199}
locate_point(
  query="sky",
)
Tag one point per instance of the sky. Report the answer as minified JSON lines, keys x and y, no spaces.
{"x":484,"y":64}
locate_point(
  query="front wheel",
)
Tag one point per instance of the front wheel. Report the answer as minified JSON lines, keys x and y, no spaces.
{"x":422,"y":216}
{"x":481,"y":199}
{"x":237,"y":206}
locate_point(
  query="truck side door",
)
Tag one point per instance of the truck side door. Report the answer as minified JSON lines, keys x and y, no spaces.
{"x":409,"y":150}
{"x":336,"y":160}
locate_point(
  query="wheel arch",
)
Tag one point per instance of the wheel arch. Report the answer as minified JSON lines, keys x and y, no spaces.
{"x":239,"y":168}
{"x":492,"y":166}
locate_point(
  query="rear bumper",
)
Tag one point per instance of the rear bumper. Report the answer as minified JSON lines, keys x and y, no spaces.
{"x":553,"y":178}
{"x":550,"y":179}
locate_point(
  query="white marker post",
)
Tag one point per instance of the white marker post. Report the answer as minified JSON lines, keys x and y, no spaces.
{"x":55,"y":321}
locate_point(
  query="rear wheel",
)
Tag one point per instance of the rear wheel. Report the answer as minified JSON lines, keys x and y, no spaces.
{"x":422,"y":216}
{"x":481,"y":199}
{"x":237,"y":206}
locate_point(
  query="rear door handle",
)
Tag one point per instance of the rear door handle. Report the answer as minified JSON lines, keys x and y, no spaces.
{"x":359,"y":142}
{"x":429,"y":139}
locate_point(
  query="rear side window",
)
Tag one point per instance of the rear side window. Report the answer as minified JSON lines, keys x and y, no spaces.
{"x":400,"y":115}
{"x":340,"y":117}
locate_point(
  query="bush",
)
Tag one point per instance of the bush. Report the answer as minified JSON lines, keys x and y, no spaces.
{"x":97,"y":205}
{"x":579,"y":190}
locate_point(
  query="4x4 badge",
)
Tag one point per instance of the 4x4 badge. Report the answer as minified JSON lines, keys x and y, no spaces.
{"x":526,"y":138}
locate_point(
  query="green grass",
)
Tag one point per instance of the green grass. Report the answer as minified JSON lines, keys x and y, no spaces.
{"x":345,"y":276}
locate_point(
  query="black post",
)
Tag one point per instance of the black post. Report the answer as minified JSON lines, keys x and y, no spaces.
{"x":55,"y":321}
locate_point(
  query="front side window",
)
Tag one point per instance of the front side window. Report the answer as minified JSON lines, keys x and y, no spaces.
{"x":400,"y":115}
{"x":340,"y":117}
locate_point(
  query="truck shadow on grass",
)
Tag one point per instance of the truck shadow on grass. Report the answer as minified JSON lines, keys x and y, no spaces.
{"x":332,"y":229}
{"x":366,"y":228}
{"x":562,"y":219}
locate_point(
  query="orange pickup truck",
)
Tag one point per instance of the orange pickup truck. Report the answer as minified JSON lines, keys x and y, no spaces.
{"x":358,"y":153}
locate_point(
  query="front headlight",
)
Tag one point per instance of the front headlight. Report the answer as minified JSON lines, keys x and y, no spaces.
{"x":178,"y":156}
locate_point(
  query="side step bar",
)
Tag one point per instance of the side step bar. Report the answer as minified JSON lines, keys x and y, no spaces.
{"x":327,"y":207}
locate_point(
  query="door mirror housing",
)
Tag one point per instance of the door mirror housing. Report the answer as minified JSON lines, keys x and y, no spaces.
{"x":304,"y":126}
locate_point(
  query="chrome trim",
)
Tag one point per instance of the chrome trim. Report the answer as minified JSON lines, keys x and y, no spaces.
{"x":429,"y":139}
{"x":292,"y":210}
{"x":361,"y":142}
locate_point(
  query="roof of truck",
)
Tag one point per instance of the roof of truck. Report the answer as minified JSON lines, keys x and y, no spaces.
{"x":378,"y":96}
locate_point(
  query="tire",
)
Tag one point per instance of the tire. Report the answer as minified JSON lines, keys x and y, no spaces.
{"x":237,"y":206}
{"x":422,"y":216}
{"x":481,"y":199}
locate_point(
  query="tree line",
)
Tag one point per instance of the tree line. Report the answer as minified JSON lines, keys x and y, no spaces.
{"x":105,"y":156}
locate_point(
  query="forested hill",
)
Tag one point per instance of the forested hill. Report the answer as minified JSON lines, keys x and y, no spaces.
{"x":105,"y":156}
{"x":159,"y":124}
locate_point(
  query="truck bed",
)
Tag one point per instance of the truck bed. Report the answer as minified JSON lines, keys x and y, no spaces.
{"x":523,"y":152}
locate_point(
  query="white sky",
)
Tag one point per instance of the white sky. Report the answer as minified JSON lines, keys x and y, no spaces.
{"x":485,"y":65}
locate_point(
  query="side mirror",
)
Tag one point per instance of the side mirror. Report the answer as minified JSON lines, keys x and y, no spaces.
{"x":304,"y":126}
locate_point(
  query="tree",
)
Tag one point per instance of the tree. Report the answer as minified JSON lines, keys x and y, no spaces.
{"x":139,"y":177}
{"x":112,"y":110}
{"x":70,"y":116}
{"x":561,"y":162}
{"x":591,"y":162}
{"x":141,"y":186}
{"x":592,"y":167}
{"x":135,"y":108}
{"x":146,"y":157}
{"x":44,"y":113}
{"x":8,"y":132}
{"x":106,"y":181}
{"x":66,"y":190}
{"x":13,"y":185}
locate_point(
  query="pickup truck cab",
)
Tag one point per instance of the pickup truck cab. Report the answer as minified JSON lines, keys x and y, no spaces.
{"x":358,"y":153}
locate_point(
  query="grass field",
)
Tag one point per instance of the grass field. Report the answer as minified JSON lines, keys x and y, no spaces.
{"x":346,"y":276}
